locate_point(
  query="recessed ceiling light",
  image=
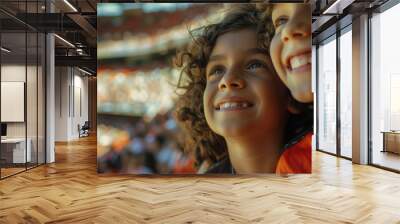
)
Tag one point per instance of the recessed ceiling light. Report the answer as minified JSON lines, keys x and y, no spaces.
{"x":337,"y":7}
{"x":64,"y":40}
{"x":70,"y":5}
{"x":86,"y":72}
{"x":5,"y":49}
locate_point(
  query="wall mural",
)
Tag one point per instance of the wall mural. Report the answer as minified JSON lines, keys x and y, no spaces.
{"x":207,"y":89}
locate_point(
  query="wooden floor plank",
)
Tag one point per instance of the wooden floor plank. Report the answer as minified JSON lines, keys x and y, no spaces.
{"x":70,"y":191}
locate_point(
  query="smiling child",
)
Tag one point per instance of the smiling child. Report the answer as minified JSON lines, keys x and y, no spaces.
{"x":291,"y":46}
{"x":289,"y":27}
{"x":235,"y":108}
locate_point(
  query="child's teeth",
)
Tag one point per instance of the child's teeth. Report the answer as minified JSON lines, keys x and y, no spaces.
{"x":300,"y":60}
{"x":234,"y":105}
{"x":226,"y":105}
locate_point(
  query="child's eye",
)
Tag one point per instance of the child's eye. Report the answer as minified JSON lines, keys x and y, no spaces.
{"x":280,"y":21}
{"x":216,"y":71}
{"x":255,"y":65}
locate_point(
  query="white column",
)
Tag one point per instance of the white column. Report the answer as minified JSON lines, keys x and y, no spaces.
{"x":360,"y":90}
{"x":50,"y":93}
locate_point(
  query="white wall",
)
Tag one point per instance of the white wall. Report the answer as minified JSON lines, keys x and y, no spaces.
{"x":33,"y":126}
{"x":15,"y":73}
{"x":71,"y":93}
{"x":62,"y":81}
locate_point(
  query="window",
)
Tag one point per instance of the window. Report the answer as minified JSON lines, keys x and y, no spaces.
{"x":385,"y":88}
{"x":346,"y":75}
{"x":327,"y":96}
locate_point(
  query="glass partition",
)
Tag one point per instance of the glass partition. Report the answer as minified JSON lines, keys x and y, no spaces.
{"x":13,"y":107}
{"x":31,"y":98}
{"x":41,"y":109}
{"x":22,"y":87}
{"x":327,"y":96}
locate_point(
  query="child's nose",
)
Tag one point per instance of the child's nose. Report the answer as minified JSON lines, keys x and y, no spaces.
{"x":231,"y":80}
{"x":295,"y":29}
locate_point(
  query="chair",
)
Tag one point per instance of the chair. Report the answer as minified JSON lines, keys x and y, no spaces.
{"x":84,"y":130}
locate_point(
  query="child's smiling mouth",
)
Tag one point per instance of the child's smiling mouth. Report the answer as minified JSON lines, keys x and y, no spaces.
{"x":232,"y":104}
{"x":298,"y":62}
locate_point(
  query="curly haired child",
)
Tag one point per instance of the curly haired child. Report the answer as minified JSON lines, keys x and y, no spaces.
{"x":235,"y":109}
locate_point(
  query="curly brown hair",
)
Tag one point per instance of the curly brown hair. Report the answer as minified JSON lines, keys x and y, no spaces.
{"x":206,"y":144}
{"x":265,"y":15}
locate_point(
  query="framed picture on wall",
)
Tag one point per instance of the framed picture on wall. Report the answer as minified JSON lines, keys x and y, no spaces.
{"x":12,"y":101}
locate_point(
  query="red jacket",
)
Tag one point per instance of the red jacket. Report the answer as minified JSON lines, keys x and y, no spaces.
{"x":296,"y":158}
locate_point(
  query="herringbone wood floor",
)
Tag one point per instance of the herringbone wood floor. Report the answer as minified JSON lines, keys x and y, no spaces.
{"x":70,"y":191}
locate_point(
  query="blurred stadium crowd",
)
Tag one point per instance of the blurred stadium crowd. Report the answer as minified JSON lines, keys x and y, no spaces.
{"x":137,"y":133}
{"x":145,"y":147}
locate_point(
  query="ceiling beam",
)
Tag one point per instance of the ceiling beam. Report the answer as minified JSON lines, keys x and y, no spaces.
{"x":81,"y":61}
{"x":337,"y":7}
{"x":84,"y":24}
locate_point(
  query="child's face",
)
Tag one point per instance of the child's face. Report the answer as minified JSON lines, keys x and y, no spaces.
{"x":291,"y":48}
{"x":243,"y":95}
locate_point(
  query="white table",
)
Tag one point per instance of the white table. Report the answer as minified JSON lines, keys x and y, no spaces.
{"x":19,"y":155}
